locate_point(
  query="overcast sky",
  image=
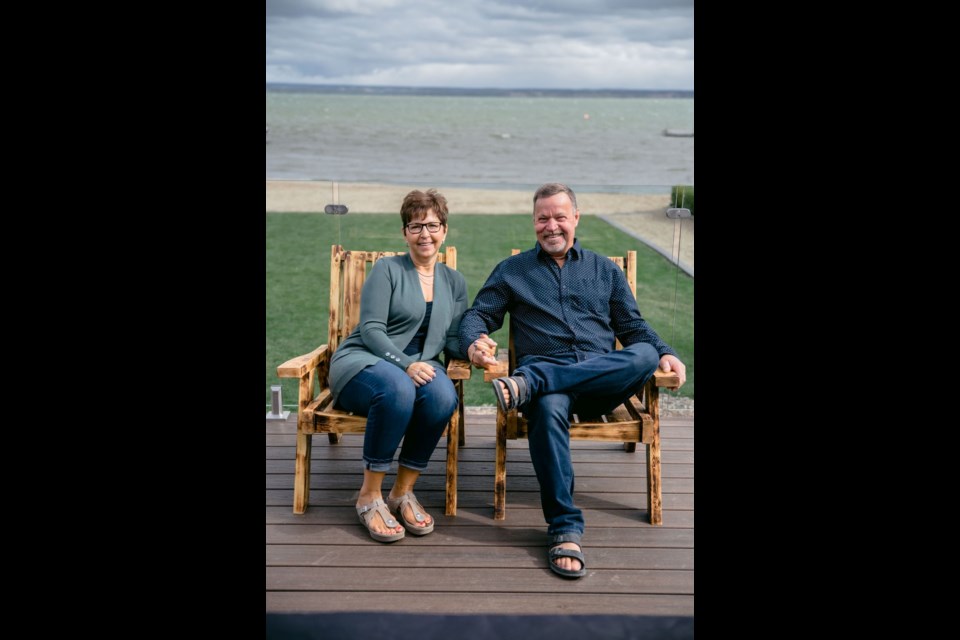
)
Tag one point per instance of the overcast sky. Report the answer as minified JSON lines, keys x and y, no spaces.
{"x":509,"y":44}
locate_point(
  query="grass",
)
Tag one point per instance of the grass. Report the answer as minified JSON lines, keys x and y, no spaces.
{"x":298,"y":280}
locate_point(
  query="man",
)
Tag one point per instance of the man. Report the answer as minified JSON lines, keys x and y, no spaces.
{"x":567,"y":305}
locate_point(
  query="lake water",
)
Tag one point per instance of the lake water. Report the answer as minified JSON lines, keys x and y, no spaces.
{"x":488,"y":141}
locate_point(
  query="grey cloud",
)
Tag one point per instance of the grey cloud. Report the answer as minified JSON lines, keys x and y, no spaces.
{"x":631,"y":44}
{"x":326,"y":8}
{"x":580,"y":8}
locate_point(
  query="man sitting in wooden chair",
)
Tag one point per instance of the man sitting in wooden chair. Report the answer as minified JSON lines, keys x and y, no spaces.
{"x":567,"y":307}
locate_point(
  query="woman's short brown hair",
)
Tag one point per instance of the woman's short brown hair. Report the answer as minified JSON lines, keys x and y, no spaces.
{"x":417,"y":203}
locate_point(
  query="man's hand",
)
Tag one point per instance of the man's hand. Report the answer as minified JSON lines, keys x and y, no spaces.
{"x":482,"y":352}
{"x":672,"y":363}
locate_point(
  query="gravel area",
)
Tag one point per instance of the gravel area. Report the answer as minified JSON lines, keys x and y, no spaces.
{"x":675,"y":406}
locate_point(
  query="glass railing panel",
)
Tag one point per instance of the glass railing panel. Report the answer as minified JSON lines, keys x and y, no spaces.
{"x":305,"y":217}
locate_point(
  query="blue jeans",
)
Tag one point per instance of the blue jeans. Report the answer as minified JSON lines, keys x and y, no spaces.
{"x":398,"y":409}
{"x":559,"y":387}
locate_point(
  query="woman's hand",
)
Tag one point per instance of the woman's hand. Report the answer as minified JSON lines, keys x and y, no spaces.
{"x":421,"y":373}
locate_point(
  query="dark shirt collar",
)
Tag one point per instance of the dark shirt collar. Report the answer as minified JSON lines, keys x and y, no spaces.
{"x":572,"y":254}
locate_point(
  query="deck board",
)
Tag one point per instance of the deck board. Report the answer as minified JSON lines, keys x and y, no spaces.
{"x":324,"y":561}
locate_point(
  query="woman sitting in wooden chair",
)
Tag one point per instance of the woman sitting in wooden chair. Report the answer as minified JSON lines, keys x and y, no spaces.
{"x":388,"y":369}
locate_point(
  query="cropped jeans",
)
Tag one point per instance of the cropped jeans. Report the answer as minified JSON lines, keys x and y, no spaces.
{"x":398,"y":409}
{"x":585,"y":384}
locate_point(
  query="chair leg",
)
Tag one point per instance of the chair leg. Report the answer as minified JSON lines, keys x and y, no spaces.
{"x":651,"y":436}
{"x":454,"y":428}
{"x":500,"y":472}
{"x":460,"y":409}
{"x":301,"y":479}
{"x":654,"y":497}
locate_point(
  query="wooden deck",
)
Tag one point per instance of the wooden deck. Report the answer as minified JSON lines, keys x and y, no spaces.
{"x":324,"y":560}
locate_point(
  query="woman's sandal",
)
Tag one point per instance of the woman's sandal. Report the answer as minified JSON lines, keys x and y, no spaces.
{"x":517,"y":398}
{"x":368,"y":511}
{"x":397,"y":506}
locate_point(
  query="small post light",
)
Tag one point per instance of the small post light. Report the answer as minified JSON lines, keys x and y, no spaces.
{"x":276,"y":409}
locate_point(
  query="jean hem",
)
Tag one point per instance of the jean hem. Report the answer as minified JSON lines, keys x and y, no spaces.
{"x":378,"y":467}
{"x":565,"y":536}
{"x":411,"y":466}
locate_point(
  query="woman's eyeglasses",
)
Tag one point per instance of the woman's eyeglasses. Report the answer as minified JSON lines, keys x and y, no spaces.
{"x":417,"y":227}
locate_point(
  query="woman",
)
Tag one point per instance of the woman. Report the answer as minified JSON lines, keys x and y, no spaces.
{"x":389,"y":370}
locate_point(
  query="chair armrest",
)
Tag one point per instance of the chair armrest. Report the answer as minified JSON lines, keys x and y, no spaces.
{"x":301,"y":365}
{"x":458,"y":369}
{"x":499,"y":370}
{"x":668,"y":379}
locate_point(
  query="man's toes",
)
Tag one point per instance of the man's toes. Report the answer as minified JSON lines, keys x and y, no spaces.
{"x":508,"y":389}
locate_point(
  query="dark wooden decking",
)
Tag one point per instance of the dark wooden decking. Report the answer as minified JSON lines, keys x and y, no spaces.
{"x":324,"y":560}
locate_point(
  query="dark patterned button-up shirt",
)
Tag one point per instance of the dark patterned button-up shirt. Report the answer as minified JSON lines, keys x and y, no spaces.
{"x":579,"y":309}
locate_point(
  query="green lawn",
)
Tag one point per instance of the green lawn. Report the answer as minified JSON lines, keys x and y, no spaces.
{"x":298,"y":279}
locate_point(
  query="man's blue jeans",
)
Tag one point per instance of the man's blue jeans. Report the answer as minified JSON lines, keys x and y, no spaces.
{"x":398,"y":409}
{"x":560,"y":386}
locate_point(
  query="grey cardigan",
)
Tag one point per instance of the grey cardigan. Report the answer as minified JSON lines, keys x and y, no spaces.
{"x":392,"y":308}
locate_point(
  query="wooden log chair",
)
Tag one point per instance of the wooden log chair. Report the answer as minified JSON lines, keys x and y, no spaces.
{"x":635,"y":421}
{"x":348,"y":270}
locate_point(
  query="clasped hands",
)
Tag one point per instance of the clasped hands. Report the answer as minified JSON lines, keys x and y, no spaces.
{"x":482,"y":352}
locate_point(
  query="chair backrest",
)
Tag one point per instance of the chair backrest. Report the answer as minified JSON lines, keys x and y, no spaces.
{"x":348,"y":271}
{"x":629,"y":267}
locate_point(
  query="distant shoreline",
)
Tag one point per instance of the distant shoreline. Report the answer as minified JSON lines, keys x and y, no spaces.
{"x":314,"y":195}
{"x":290,"y":87}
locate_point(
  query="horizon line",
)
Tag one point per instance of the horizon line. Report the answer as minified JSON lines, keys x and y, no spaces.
{"x":362,"y":88}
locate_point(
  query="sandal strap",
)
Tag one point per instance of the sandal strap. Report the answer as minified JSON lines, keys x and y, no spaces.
{"x":523,"y":391}
{"x":367,"y":512}
{"x":518,"y":397}
{"x":559,"y":552}
{"x":397,"y":505}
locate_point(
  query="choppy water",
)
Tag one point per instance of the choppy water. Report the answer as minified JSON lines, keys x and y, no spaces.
{"x":614,"y":143}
